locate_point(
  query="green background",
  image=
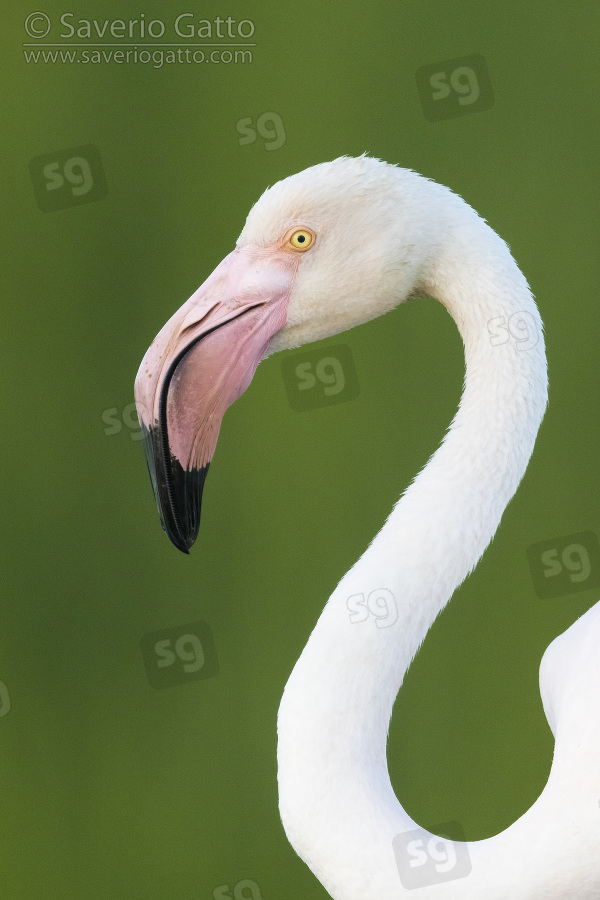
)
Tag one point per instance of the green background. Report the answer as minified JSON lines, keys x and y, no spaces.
{"x":110,"y":788}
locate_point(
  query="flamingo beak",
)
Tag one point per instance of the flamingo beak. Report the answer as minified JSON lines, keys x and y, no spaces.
{"x":198,"y":365}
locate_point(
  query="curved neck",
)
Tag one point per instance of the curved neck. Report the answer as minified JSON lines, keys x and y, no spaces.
{"x":337,"y":804}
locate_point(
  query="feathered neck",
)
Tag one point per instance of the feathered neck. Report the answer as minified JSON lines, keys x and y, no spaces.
{"x":337,"y":804}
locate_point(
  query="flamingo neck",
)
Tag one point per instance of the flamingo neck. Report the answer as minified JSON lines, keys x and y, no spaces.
{"x":336,"y":800}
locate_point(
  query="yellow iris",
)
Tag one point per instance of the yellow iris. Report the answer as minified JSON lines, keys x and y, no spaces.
{"x":302,"y":239}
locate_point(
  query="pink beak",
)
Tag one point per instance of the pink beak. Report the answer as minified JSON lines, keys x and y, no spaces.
{"x":198,"y":364}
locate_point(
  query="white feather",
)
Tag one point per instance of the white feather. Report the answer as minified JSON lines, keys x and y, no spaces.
{"x":384,"y":234}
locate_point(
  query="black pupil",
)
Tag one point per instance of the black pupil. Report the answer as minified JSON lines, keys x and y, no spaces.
{"x":301,"y":238}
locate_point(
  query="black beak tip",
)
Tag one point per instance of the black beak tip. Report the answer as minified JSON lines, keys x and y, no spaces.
{"x":177,"y":541}
{"x":182,"y":504}
{"x":177,"y":491}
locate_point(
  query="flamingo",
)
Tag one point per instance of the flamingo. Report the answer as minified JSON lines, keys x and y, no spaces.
{"x":322,"y":251}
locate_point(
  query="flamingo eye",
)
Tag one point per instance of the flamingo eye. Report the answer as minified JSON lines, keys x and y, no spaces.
{"x":302,"y":239}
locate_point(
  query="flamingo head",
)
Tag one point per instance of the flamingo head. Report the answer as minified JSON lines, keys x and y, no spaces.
{"x":321,"y":251}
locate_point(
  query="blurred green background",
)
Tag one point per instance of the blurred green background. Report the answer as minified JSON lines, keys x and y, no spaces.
{"x":110,"y":787}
